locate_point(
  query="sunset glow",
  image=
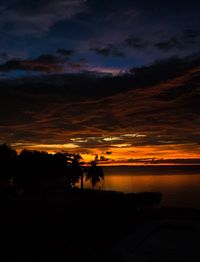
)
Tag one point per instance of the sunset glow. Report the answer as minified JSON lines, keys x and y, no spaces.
{"x":100,"y":130}
{"x":121,"y":95}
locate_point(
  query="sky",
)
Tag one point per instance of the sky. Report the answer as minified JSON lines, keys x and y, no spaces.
{"x":117,"y":79}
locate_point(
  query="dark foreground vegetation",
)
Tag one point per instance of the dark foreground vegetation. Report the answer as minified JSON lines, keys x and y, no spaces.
{"x":39,"y":173}
{"x":45,"y":216}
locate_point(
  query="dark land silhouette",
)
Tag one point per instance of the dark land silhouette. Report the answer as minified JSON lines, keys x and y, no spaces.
{"x":45,"y":215}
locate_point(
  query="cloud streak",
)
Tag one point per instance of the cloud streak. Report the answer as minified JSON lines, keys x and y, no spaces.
{"x":149,"y":119}
{"x":37,"y":17}
{"x":44,"y":63}
{"x":108,"y":50}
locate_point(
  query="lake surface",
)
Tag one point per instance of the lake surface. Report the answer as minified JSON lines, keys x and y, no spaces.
{"x":180,"y":186}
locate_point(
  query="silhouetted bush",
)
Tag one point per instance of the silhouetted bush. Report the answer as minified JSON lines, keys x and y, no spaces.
{"x":8,"y":158}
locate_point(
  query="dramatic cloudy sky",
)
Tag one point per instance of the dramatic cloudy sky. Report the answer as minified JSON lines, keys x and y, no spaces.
{"x":115,"y":78}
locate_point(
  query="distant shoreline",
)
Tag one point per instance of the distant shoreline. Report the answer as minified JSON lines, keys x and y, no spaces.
{"x":155,"y":166}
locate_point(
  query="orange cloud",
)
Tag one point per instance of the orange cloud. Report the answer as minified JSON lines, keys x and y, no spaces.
{"x":145,"y":123}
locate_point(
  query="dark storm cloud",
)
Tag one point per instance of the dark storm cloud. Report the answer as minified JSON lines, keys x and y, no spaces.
{"x":191,"y":36}
{"x":108,"y":50}
{"x":59,"y":108}
{"x":130,"y":27}
{"x":79,"y":65}
{"x":37,"y":17}
{"x":47,"y":58}
{"x":65,"y":52}
{"x":150,"y":27}
{"x":4,"y":56}
{"x":44,"y":63}
{"x":136,"y":42}
{"x":153,"y":104}
{"x":160,"y":71}
{"x":181,"y":41}
{"x":171,"y":44}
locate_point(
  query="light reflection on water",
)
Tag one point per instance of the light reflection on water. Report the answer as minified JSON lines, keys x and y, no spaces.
{"x":179,"y":188}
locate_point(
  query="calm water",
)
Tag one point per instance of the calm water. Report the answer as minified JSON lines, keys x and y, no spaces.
{"x":180,"y":186}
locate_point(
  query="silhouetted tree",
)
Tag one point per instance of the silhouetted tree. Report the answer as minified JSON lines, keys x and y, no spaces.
{"x":40,"y":172}
{"x":35,"y":172}
{"x":7,"y":166}
{"x":32,"y":169}
{"x":7,"y":153}
{"x":76,"y":170}
{"x":94,"y":174}
{"x":57,"y":170}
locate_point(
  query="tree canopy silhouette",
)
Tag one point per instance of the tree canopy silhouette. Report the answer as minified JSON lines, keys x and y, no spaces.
{"x":76,"y":170}
{"x":7,"y":165}
{"x":35,"y":172}
{"x":94,"y":174}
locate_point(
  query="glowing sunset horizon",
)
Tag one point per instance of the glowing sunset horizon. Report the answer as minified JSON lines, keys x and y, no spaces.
{"x":127,"y":95}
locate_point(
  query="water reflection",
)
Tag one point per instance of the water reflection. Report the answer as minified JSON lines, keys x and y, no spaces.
{"x":179,"y":188}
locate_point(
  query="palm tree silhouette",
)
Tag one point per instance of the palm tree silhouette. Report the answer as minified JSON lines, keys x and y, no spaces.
{"x":94,"y":174}
{"x":76,"y":170}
